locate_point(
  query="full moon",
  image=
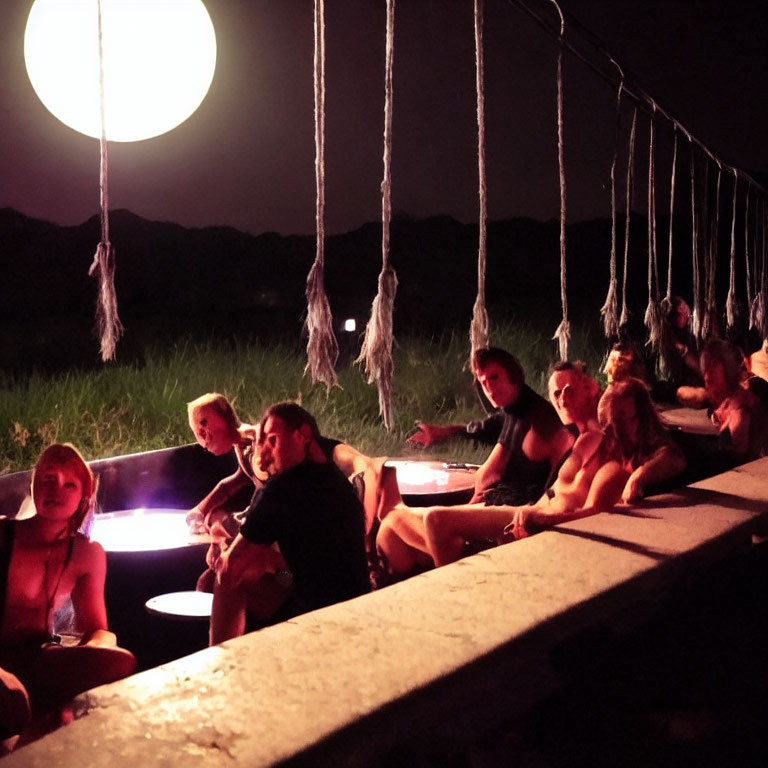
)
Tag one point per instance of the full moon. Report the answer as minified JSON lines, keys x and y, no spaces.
{"x":159,"y":58}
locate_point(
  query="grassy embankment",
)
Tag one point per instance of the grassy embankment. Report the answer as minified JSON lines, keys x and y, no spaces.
{"x":126,"y":408}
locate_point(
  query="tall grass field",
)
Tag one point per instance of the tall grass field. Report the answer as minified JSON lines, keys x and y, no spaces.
{"x":131,"y":407}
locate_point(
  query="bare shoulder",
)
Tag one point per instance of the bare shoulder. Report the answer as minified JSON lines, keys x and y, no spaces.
{"x":88,"y":554}
{"x":587,"y":443}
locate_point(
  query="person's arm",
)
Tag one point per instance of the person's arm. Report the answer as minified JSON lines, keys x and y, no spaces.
{"x":428,"y":434}
{"x":88,"y":595}
{"x":349,"y":460}
{"x":490,"y":471}
{"x":665,"y":463}
{"x":603,"y":494}
{"x":737,"y":424}
{"x":244,"y":555}
{"x":201,"y":518}
{"x":223,"y":491}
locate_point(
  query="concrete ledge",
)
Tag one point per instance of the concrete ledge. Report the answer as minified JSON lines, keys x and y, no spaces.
{"x":437,"y":657}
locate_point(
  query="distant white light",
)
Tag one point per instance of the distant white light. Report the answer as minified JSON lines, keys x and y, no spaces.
{"x":350,"y":324}
{"x":159,"y":60}
{"x":141,"y":530}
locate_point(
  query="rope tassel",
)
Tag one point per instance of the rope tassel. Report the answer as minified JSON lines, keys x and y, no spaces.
{"x":376,"y":350}
{"x":108,"y":324}
{"x":322,"y":347}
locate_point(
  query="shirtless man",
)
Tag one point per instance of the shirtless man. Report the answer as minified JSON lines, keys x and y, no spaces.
{"x":531,"y":444}
{"x":572,"y":393}
{"x":45,"y":563}
{"x":607,"y":464}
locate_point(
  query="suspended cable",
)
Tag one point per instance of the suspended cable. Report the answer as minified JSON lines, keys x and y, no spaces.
{"x":631,"y":87}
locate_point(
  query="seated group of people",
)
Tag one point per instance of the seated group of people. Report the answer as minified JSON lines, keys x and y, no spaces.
{"x":729,"y":381}
{"x":322,"y":515}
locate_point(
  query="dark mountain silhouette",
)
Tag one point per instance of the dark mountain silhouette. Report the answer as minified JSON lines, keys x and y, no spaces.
{"x":173,"y":280}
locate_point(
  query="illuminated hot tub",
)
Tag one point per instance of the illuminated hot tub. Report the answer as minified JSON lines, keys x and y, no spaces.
{"x":144,"y":530}
{"x":424,"y":483}
{"x":149,"y":552}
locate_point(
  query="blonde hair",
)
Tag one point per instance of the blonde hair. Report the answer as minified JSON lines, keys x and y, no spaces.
{"x":219,"y":404}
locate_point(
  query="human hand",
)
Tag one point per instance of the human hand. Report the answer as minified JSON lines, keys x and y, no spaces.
{"x":424,"y":437}
{"x":521,"y":517}
{"x":220,"y":566}
{"x":216,"y":525}
{"x":479,"y":496}
{"x":196,"y":521}
{"x":633,"y":490}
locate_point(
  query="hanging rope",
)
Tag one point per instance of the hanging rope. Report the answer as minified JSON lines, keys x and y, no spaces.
{"x":652,"y":317}
{"x":108,"y":324}
{"x":762,"y":310}
{"x":696,"y":313}
{"x":322,"y":347}
{"x":609,"y":310}
{"x":758,"y":308}
{"x":479,"y":333}
{"x":627,"y":219}
{"x":563,"y":332}
{"x":376,"y":350}
{"x":709,"y":327}
{"x":747,"y":270}
{"x":671,"y":221}
{"x":731,"y":306}
{"x":665,"y":338}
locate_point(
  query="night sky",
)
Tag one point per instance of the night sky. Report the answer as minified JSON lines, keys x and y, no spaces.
{"x":246,"y":157}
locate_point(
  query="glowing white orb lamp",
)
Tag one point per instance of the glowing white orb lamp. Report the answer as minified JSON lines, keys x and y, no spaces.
{"x":159,"y":57}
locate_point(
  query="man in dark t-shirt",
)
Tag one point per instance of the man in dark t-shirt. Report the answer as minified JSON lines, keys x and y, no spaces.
{"x":530,"y":443}
{"x":309,"y":510}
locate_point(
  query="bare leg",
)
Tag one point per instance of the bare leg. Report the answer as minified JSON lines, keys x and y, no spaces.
{"x":259,"y":595}
{"x":227,"y":613}
{"x":401,"y":539}
{"x":447,"y":528}
{"x":15,"y":711}
{"x":63,"y":672}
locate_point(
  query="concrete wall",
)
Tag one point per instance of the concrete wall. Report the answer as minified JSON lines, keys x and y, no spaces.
{"x":437,"y":659}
